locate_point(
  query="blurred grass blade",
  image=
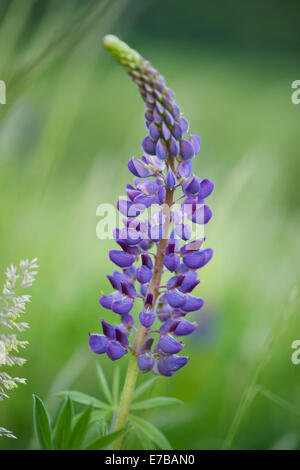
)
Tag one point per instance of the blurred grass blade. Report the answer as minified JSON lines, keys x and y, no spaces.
{"x":79,"y":429}
{"x":104,"y":441}
{"x":62,"y":431}
{"x":151,"y":431}
{"x":141,"y":389}
{"x":278,"y":400}
{"x":116,"y":385}
{"x":155,"y":402}
{"x":42,"y":424}
{"x":103,"y":384}
{"x":84,"y":399}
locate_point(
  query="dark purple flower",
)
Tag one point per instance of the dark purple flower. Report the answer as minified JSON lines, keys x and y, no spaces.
{"x":143,"y":274}
{"x":122,"y":259}
{"x":115,"y":350}
{"x":186,"y":150}
{"x":174,"y":363}
{"x":184,"y":328}
{"x":206,"y":188}
{"x":162,"y":368}
{"x":171,"y":262}
{"x":169,"y":345}
{"x":171,"y":179}
{"x":198,"y":259}
{"x":145,"y":362}
{"x":147,"y":318}
{"x":175,"y":298}
{"x":98,"y":343}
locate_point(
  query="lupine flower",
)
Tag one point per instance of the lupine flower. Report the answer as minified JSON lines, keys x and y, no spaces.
{"x":12,"y":306}
{"x":164,"y":169}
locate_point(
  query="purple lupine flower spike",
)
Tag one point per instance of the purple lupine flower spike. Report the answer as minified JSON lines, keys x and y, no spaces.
{"x":162,"y":243}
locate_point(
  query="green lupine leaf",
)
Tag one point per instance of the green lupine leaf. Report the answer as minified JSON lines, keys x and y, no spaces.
{"x":42,"y":424}
{"x":103,"y":384}
{"x":150,"y":431}
{"x":146,"y":443}
{"x":155,"y":402}
{"x":141,"y":389}
{"x":63,"y":425}
{"x":84,"y":399}
{"x":103,"y":441}
{"x":79,"y":429}
{"x":116,"y":385}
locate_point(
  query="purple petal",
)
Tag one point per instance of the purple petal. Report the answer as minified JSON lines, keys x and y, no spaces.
{"x":206,"y":188}
{"x":147,"y":345}
{"x":169,"y":118}
{"x":98,"y":343}
{"x":170,"y":179}
{"x":184,"y":124}
{"x":175,"y":298}
{"x":120,"y":258}
{"x":161,"y":150}
{"x":177,"y":131}
{"x":137,"y":168}
{"x":157,"y":116}
{"x":121,"y":337}
{"x":122,"y":306}
{"x":147,"y":260}
{"x":106,"y":301}
{"x":169,"y":345}
{"x":192,"y":304}
{"x":145,"y":362}
{"x":184,"y":328}
{"x":149,"y":145}
{"x":143,"y":274}
{"x":165,"y":131}
{"x":108,"y":330}
{"x":174,"y":363}
{"x":189,"y":283}
{"x":185,"y":169}
{"x":202,"y":215}
{"x":147,"y":318}
{"x":198,"y":259}
{"x":115,"y":350}
{"x":154,"y":131}
{"x":191,"y":186}
{"x":173,"y":147}
{"x":162,"y":368}
{"x":196,"y":142}
{"x":175,"y":111}
{"x":171,"y":262}
{"x":168,"y":326}
{"x":186,"y":150}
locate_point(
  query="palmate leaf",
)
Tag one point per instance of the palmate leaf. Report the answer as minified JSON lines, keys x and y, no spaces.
{"x":84,"y":399}
{"x":151,"y":432}
{"x":42,"y":424}
{"x":104,"y":385}
{"x":141,"y":389}
{"x":155,"y":402}
{"x":79,"y":429}
{"x":103,"y":441}
{"x":63,"y":426}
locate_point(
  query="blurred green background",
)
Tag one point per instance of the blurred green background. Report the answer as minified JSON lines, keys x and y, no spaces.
{"x":73,"y":119}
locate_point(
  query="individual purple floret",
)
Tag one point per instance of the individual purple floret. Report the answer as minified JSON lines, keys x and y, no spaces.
{"x":157,"y":237}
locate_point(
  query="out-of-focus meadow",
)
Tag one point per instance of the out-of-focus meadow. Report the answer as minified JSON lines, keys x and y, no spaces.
{"x":73,"y":119}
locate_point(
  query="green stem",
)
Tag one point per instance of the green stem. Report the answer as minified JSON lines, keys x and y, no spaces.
{"x":126,"y":399}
